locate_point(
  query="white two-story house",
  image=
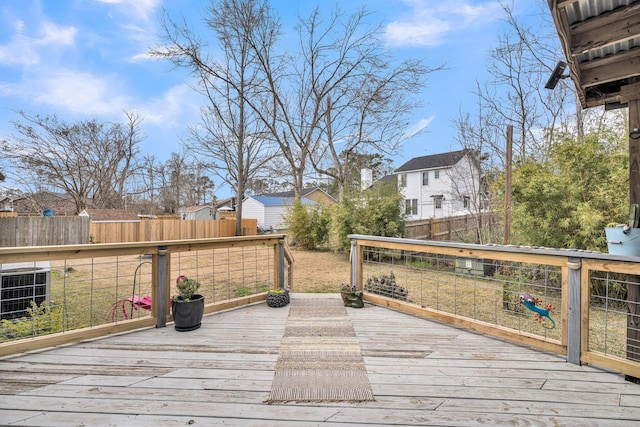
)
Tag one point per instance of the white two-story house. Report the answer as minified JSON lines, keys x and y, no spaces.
{"x":440,"y":185}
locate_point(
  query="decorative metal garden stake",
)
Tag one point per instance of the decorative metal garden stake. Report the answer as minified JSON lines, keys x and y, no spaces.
{"x":542,"y":314}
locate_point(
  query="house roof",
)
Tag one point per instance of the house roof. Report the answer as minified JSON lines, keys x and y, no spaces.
{"x":229,"y":201}
{"x":35,"y":203}
{"x":389,"y":178}
{"x":195,"y":208}
{"x":601,"y":42}
{"x":434,"y":161}
{"x":303,"y":193}
{"x":110,"y":215}
{"x":279,"y":201}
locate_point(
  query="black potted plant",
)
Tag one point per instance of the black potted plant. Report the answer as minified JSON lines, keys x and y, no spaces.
{"x":278,"y":297}
{"x":188,"y":306}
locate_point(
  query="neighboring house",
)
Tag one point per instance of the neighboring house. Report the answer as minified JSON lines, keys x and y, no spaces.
{"x":315,"y":194}
{"x":440,"y":185}
{"x":6,"y":204}
{"x":228,"y":204}
{"x":196,"y":212}
{"x":110,"y":215}
{"x":226,"y":208}
{"x":268,"y":210}
{"x":221,"y":208}
{"x":34,"y":204}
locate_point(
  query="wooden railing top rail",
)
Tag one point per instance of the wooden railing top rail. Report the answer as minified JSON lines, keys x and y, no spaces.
{"x":479,"y":250}
{"x":38,"y":253}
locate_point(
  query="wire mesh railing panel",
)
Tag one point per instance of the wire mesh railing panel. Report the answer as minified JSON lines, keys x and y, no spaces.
{"x":69,"y":294}
{"x":524,"y":297}
{"x":226,"y":273}
{"x":614,"y":319}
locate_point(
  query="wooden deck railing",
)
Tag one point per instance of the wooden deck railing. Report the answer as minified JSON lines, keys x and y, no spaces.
{"x":479,"y":287}
{"x":57,"y":294}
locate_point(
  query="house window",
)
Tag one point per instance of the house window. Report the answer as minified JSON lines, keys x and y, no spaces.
{"x":403,"y":180}
{"x":466,"y":201}
{"x":425,"y":178}
{"x":438,"y":202}
{"x":436,"y":174}
{"x":411,"y":206}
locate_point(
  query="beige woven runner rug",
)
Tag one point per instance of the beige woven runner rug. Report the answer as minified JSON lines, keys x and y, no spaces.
{"x":320,"y":358}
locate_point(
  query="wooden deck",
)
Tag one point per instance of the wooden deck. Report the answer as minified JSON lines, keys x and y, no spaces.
{"x":421,"y":372}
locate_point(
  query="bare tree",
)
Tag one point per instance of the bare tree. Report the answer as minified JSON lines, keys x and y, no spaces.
{"x":353,"y":164}
{"x":342,"y":88}
{"x":339,"y":87}
{"x":170,"y":185}
{"x":515,"y":95}
{"x":147,"y":186}
{"x":91,"y":161}
{"x":180,"y":183}
{"x":231,"y":141}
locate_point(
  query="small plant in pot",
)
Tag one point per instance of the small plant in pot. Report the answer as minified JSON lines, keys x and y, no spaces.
{"x":188,"y":306}
{"x":278,"y":297}
{"x":351,"y":296}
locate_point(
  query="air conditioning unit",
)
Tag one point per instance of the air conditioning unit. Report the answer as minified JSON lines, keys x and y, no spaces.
{"x":475,"y":267}
{"x":23,"y":283}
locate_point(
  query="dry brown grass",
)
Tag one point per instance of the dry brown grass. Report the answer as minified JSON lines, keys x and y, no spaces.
{"x":319,"y":271}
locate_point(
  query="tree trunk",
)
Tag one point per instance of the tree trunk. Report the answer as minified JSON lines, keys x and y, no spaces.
{"x":239,"y":196}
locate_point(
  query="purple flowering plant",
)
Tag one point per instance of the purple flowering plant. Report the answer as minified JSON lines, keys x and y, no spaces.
{"x":345,"y":287}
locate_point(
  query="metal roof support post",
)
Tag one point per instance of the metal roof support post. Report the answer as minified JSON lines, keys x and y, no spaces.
{"x":574,"y":311}
{"x":631,"y":94}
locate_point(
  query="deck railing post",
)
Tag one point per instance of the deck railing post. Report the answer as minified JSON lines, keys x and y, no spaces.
{"x":281,"y":263}
{"x":355,"y":264}
{"x":574,"y":310}
{"x":161,"y":287}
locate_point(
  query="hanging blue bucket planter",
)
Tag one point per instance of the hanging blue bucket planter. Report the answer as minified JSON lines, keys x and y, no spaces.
{"x":621,"y":241}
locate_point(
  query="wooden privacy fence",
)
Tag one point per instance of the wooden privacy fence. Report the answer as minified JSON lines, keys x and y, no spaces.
{"x":43,"y":231}
{"x":449,"y":228}
{"x":153,"y":230}
{"x":46,"y":231}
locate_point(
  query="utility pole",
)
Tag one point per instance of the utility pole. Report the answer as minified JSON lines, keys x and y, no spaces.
{"x":507,"y":186}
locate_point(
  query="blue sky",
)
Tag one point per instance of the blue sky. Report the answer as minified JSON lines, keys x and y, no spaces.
{"x":85,"y":59}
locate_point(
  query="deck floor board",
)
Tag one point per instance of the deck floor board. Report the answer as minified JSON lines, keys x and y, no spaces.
{"x":421,"y":373}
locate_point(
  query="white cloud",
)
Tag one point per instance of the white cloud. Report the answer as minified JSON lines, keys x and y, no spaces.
{"x":19,"y":51}
{"x":136,"y":9}
{"x":25,"y":50}
{"x":144,"y":56}
{"x":177,"y":106}
{"x":417,"y":128}
{"x":74,"y":92}
{"x":136,"y":21}
{"x":432,"y":22}
{"x":53,"y":34}
{"x":416,"y":34}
